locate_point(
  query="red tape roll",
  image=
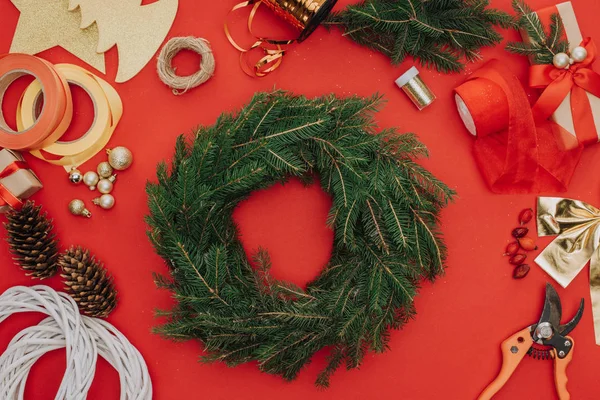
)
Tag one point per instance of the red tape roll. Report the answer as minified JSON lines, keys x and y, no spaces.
{"x":56,"y":113}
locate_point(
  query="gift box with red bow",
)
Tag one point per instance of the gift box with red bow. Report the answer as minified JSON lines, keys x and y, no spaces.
{"x":17,"y":181}
{"x":571,"y":95}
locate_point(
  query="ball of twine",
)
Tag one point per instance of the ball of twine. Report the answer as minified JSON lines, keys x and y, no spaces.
{"x":181,"y":84}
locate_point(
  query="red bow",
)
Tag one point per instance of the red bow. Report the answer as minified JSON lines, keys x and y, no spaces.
{"x":6,"y":197}
{"x":578,"y":79}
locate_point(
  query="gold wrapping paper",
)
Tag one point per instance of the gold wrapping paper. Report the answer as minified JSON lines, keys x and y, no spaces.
{"x":23,"y":183}
{"x":563,"y":116}
{"x":577,"y":225}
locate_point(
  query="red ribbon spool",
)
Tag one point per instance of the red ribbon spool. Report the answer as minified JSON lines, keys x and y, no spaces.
{"x":514,"y":153}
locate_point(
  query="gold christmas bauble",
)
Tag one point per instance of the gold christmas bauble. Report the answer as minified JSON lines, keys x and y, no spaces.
{"x":77,"y":207}
{"x":104,"y":169}
{"x":105,"y":186}
{"x":106,"y":201}
{"x":91,"y":179}
{"x":75,"y":176}
{"x":120,"y":158}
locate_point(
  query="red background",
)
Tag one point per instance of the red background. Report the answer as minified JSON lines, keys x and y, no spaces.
{"x":451,"y":350}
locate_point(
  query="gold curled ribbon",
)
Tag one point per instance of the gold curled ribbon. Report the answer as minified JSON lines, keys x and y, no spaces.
{"x":577,"y":225}
{"x":272,"y":58}
{"x":108,"y":110}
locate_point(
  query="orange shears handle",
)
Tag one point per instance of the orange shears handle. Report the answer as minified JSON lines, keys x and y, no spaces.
{"x":513,"y":350}
{"x":560,"y":372}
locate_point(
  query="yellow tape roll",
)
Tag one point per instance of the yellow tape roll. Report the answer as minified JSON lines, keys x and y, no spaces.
{"x":108,"y":110}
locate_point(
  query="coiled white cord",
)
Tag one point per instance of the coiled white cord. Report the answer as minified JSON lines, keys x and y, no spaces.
{"x":83,"y":337}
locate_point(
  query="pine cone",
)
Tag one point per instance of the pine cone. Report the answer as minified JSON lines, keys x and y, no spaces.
{"x":88,"y":282}
{"x":32,"y":241}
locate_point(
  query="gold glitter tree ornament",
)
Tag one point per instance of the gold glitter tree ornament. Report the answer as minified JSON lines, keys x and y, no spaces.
{"x":44,"y":24}
{"x":88,"y":28}
{"x":137,"y":30}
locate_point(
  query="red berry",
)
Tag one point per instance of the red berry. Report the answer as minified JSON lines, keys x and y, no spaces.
{"x":521,"y":271}
{"x":520,"y":232}
{"x":512,"y":248}
{"x":525,"y":216}
{"x":527,"y":243}
{"x":517,"y":259}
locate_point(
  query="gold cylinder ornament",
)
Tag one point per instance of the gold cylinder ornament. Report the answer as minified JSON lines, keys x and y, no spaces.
{"x":304,"y":15}
{"x":417,"y":91}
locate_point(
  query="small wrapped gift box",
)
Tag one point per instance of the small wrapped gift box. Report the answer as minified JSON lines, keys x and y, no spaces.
{"x":17,"y":181}
{"x":563,"y":115}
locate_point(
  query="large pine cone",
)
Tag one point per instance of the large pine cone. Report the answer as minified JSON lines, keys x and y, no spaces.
{"x":32,"y":241}
{"x":88,"y":282}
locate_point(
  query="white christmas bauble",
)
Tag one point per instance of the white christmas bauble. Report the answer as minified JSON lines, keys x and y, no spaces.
{"x":561,"y":60}
{"x":106,"y":201}
{"x":91,"y":179}
{"x":579,"y":54}
{"x":105,"y":186}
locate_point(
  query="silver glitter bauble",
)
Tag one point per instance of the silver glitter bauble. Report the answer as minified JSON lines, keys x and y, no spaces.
{"x":106,"y":201}
{"x":77,"y":207}
{"x":120,"y":158}
{"x":75,"y":176}
{"x":91,"y":179}
{"x":105,"y":186}
{"x":579,"y":54}
{"x":561,"y":60}
{"x":104,"y":169}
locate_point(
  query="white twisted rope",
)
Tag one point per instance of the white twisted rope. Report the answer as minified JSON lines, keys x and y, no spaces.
{"x":83,"y":337}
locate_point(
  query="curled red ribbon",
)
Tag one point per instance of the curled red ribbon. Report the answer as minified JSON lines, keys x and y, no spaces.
{"x":6,"y":197}
{"x":578,"y":80}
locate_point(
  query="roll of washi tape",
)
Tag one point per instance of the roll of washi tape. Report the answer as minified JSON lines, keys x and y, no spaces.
{"x":56,"y":113}
{"x":482,"y":106}
{"x":108,"y":110}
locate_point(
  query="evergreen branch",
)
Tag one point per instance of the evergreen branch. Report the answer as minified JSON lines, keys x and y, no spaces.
{"x":436,"y":33}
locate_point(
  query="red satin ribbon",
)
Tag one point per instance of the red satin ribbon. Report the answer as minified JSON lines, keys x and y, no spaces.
{"x":578,"y":80}
{"x":524,"y":157}
{"x":6,"y":197}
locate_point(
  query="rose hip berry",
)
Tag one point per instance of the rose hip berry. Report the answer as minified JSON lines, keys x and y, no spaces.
{"x":527,"y":243}
{"x":520,"y":232}
{"x":517,"y":259}
{"x":525,"y":216}
{"x":512,"y":248}
{"x":521,"y":271}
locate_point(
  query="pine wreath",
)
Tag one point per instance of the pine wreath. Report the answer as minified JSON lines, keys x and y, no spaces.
{"x":384,"y":214}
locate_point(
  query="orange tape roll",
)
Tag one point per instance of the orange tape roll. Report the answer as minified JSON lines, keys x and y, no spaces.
{"x":56,"y":113}
{"x":108,"y":110}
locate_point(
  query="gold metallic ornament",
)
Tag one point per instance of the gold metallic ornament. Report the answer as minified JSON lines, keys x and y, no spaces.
{"x":106,"y":201}
{"x":411,"y":83}
{"x":77,"y":207}
{"x":104,"y":169}
{"x":105,"y":186}
{"x":120,"y":158}
{"x":577,"y":225}
{"x":91,"y":179}
{"x":75,"y":176}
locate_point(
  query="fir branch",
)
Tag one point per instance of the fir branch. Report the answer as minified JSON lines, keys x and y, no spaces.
{"x":542,"y":44}
{"x":437,"y":33}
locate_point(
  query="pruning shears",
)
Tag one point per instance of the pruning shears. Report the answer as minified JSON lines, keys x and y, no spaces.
{"x":544,"y":340}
